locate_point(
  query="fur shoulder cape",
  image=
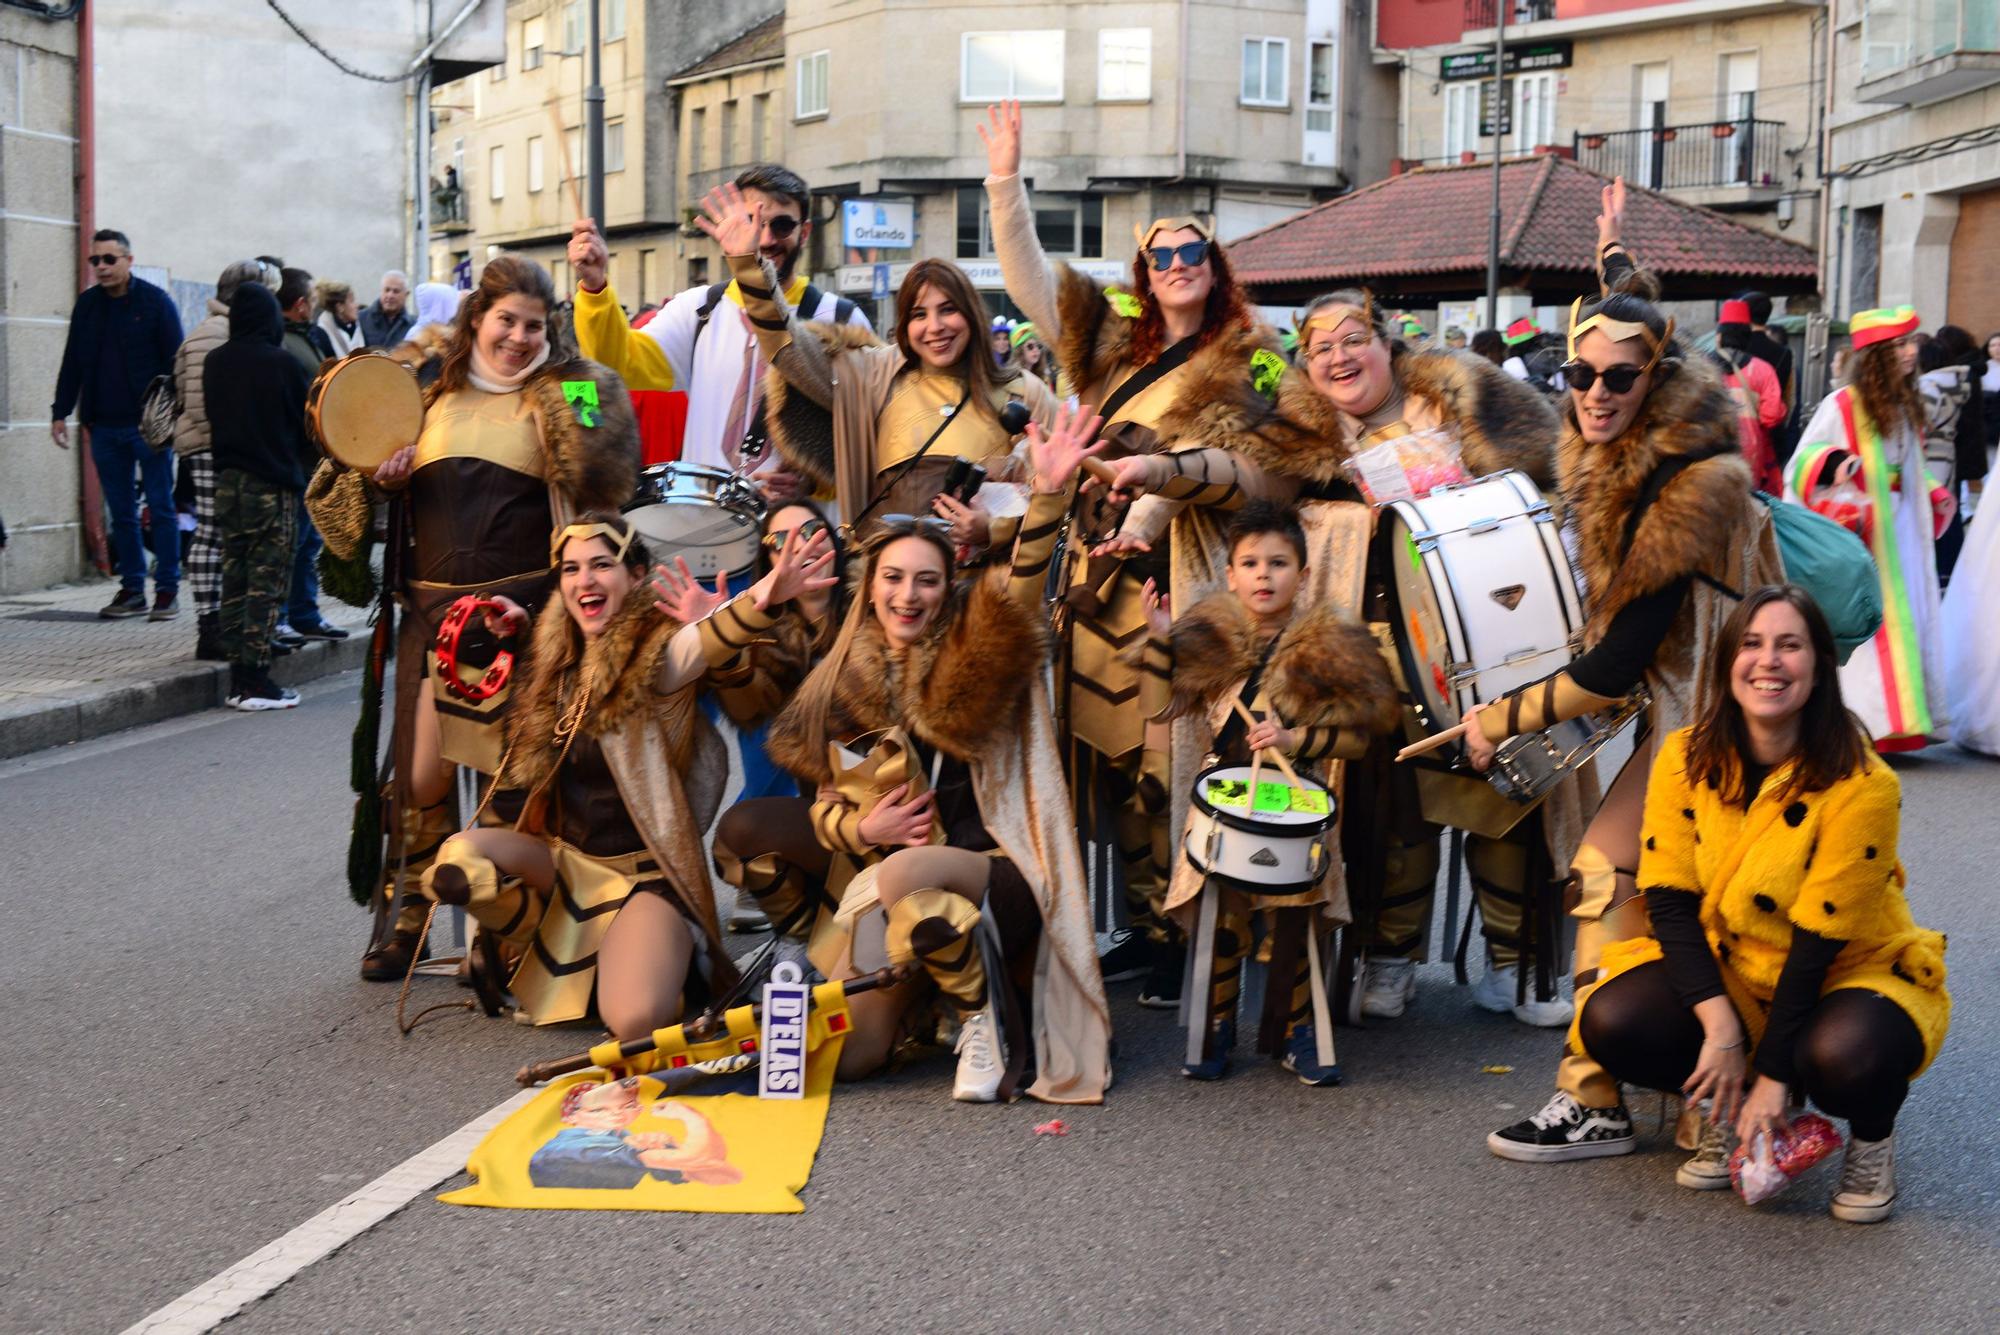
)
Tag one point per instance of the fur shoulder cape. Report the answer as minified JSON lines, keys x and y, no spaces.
{"x":801,"y":430}
{"x":595,"y":465}
{"x":622,"y":663}
{"x":965,"y":684}
{"x":1692,"y":521}
{"x":1325,"y":672}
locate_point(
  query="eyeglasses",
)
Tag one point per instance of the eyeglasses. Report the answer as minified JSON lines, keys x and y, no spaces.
{"x":904,"y":526}
{"x":96,"y":260}
{"x":1580,"y":375}
{"x":1353,"y":345}
{"x":782,"y":225}
{"x":775,"y":540}
{"x":1189,"y":253}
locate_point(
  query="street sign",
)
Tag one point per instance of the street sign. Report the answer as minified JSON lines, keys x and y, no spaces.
{"x":881,"y":288}
{"x":878,"y":224}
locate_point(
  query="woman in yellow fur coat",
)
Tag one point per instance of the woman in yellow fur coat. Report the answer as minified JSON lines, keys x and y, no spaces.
{"x":1781,"y":934}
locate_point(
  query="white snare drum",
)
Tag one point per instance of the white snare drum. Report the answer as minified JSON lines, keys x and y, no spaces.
{"x":1257,"y":852}
{"x":709,"y":517}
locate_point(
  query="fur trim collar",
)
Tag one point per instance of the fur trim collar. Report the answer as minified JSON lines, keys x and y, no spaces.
{"x":621,"y":664}
{"x":596,"y":466}
{"x":1689,"y":416}
{"x":1502,"y":422}
{"x":965,"y":684}
{"x":802,"y":430}
{"x":1325,"y":671}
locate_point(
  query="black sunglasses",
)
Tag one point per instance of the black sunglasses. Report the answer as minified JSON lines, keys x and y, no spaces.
{"x":782,"y":226}
{"x":774,"y":541}
{"x":104,"y":259}
{"x":1189,"y":253}
{"x":1581,"y":375}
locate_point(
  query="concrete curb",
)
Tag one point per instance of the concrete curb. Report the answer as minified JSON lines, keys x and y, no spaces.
{"x":185,"y":689}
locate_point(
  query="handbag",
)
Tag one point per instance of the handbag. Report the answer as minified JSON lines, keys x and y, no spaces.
{"x":1830,"y":562}
{"x":876,"y":764}
{"x":159,"y":412}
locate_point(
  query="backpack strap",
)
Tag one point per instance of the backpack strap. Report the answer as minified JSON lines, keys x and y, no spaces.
{"x":708,"y":305}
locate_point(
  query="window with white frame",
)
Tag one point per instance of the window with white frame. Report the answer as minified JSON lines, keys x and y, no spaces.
{"x":534,"y":164}
{"x":613,"y":19}
{"x":496,"y":172}
{"x":575,"y":28}
{"x":811,"y":83}
{"x":1319,"y":87}
{"x":1534,"y":110}
{"x":614,"y":146}
{"x":531,"y":43}
{"x":1125,"y":64}
{"x":1265,"y":61}
{"x":1461,"y":119}
{"x":1024,"y":65}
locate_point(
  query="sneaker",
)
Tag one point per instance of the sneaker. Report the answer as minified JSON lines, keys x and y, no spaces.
{"x":261,"y":693}
{"x":1867,"y":1193}
{"x":284,"y":639}
{"x":166,"y":607}
{"x":1708,"y":1170}
{"x":208,"y":638}
{"x":319,"y":630}
{"x":1388,"y":987}
{"x":978,"y":1079}
{"x":235,"y":686}
{"x":1162,"y":989}
{"x":128,"y":603}
{"x":1216,"y":1065}
{"x":1131,"y":958}
{"x":1565,"y":1129}
{"x":1302,"y":1058}
{"x":1495,"y":991}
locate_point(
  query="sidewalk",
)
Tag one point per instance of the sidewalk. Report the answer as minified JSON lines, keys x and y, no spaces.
{"x":66,"y":675}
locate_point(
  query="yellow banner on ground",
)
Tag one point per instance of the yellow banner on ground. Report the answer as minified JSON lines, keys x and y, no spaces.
{"x":688,"y":1134}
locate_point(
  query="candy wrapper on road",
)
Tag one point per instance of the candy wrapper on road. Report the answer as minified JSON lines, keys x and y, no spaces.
{"x":1758,"y":1177}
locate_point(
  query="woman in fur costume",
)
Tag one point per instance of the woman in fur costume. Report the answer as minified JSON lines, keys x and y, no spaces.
{"x":516,"y":441}
{"x":1871,"y":432}
{"x":1316,"y":686}
{"x":928,"y":734}
{"x":1176,"y":359}
{"x":601,"y":888}
{"x":1779,"y":916}
{"x":1668,"y":538}
{"x":878,"y":425}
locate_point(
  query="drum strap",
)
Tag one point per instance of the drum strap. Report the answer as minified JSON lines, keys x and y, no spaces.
{"x":902,"y":471}
{"x":1139,"y":381}
{"x":1234,"y":730}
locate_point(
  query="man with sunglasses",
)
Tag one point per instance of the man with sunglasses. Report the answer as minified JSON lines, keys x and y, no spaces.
{"x":701,"y":340}
{"x":122,"y":332}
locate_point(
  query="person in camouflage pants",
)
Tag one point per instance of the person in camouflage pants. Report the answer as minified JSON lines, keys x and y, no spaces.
{"x":258,"y":522}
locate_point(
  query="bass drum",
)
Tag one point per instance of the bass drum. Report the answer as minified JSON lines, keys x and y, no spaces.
{"x":708,"y":517}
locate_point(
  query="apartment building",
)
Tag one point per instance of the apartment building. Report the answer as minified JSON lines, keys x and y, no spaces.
{"x":1717,"y":102}
{"x":731,"y":111}
{"x":1135,"y":109}
{"x":1913,"y":159}
{"x":508,"y":150}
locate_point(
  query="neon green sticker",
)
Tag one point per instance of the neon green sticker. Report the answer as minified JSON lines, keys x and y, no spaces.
{"x":1266,"y":369}
{"x":1273,"y":797}
{"x":1229,"y":792}
{"x":1416,"y":557}
{"x":1309,"y":800}
{"x":1123,"y":302}
{"x":582,"y":394}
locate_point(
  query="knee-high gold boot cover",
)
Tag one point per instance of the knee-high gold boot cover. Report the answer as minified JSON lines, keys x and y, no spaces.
{"x":936,"y":928}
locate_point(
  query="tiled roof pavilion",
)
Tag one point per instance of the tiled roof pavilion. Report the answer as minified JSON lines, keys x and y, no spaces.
{"x":1425,"y":233}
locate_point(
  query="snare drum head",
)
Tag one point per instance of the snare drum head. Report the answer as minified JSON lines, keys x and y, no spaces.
{"x":365,"y":408}
{"x":1223,"y":791}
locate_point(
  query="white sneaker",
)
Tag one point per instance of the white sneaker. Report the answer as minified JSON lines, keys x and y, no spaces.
{"x":1867,"y":1193}
{"x":1388,"y":987}
{"x":1708,"y":1170}
{"x":979,"y":1071}
{"x":1495,"y":992}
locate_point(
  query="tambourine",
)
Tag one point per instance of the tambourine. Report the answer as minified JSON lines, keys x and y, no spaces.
{"x":456,"y":617}
{"x":364,"y":408}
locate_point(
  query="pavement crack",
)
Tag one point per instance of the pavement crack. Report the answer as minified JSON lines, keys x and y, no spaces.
{"x":128,"y":1171}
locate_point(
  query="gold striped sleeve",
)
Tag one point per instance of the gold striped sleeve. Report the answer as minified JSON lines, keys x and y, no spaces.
{"x":1330,"y":743}
{"x":1035,"y":546}
{"x":1538,"y":705}
{"x":1206,"y":477}
{"x":763,"y":304}
{"x":1156,"y":677}
{"x":837,"y":827}
{"x":729,"y":632}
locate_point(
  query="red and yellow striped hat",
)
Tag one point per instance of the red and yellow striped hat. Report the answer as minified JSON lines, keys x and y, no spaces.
{"x":1879,"y":326}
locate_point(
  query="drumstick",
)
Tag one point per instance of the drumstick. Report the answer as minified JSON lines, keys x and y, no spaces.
{"x":1429,"y":744}
{"x":1100,"y":470}
{"x":1276,"y":754}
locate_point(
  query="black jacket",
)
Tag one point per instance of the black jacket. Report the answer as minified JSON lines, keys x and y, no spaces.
{"x":147,"y":326}
{"x":256,"y":395}
{"x":380,"y":330}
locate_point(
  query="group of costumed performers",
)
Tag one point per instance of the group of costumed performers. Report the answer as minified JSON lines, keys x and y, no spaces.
{"x":1861,"y":460}
{"x":939,"y":830}
{"x":505,"y":459}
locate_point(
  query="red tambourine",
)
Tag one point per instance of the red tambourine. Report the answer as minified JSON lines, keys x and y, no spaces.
{"x":456,"y":618}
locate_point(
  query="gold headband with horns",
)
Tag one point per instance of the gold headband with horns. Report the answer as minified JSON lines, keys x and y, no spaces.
{"x":619,"y":543}
{"x":1145,"y":235}
{"x":1618,"y":331}
{"x":1335,"y":314}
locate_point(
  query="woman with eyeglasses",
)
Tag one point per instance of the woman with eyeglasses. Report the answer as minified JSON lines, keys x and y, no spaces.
{"x":940,"y":831}
{"x":1175,"y":359}
{"x":1870,"y":433}
{"x":880,"y":426}
{"x":1667,"y":533}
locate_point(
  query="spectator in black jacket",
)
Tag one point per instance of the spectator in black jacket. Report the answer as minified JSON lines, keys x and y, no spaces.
{"x":256,"y":398}
{"x":1784,"y":436}
{"x":310,"y":346}
{"x":386,"y":322}
{"x":122,"y":333}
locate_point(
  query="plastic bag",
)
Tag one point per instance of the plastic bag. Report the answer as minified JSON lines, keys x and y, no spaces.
{"x":1408,"y":467}
{"x":1761,"y":1171}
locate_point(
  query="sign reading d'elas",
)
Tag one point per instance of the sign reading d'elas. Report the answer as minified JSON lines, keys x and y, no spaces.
{"x":782,"y":1064}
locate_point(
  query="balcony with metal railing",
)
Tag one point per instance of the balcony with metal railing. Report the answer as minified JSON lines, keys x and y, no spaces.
{"x":1915,"y":52}
{"x":1721,"y":161}
{"x":1485,"y":13}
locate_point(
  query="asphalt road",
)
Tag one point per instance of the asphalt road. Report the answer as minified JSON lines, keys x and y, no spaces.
{"x":197,"y":1070}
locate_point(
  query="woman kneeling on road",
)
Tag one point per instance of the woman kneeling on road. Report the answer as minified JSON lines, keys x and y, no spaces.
{"x":1780,"y":927}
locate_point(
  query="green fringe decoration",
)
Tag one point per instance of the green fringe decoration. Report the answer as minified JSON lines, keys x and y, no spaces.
{"x":353,"y":580}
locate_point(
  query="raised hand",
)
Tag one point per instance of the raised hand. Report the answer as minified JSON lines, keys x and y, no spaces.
{"x":1611,"y":215}
{"x":801,"y":567}
{"x":894,"y":822}
{"x":1058,"y":455}
{"x":1001,"y":133}
{"x":1159,"y":610}
{"x":730,"y":220}
{"x":682,"y":596}
{"x":588,"y":256}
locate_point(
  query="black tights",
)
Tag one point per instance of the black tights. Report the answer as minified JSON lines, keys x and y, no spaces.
{"x":1854,"y":1056}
